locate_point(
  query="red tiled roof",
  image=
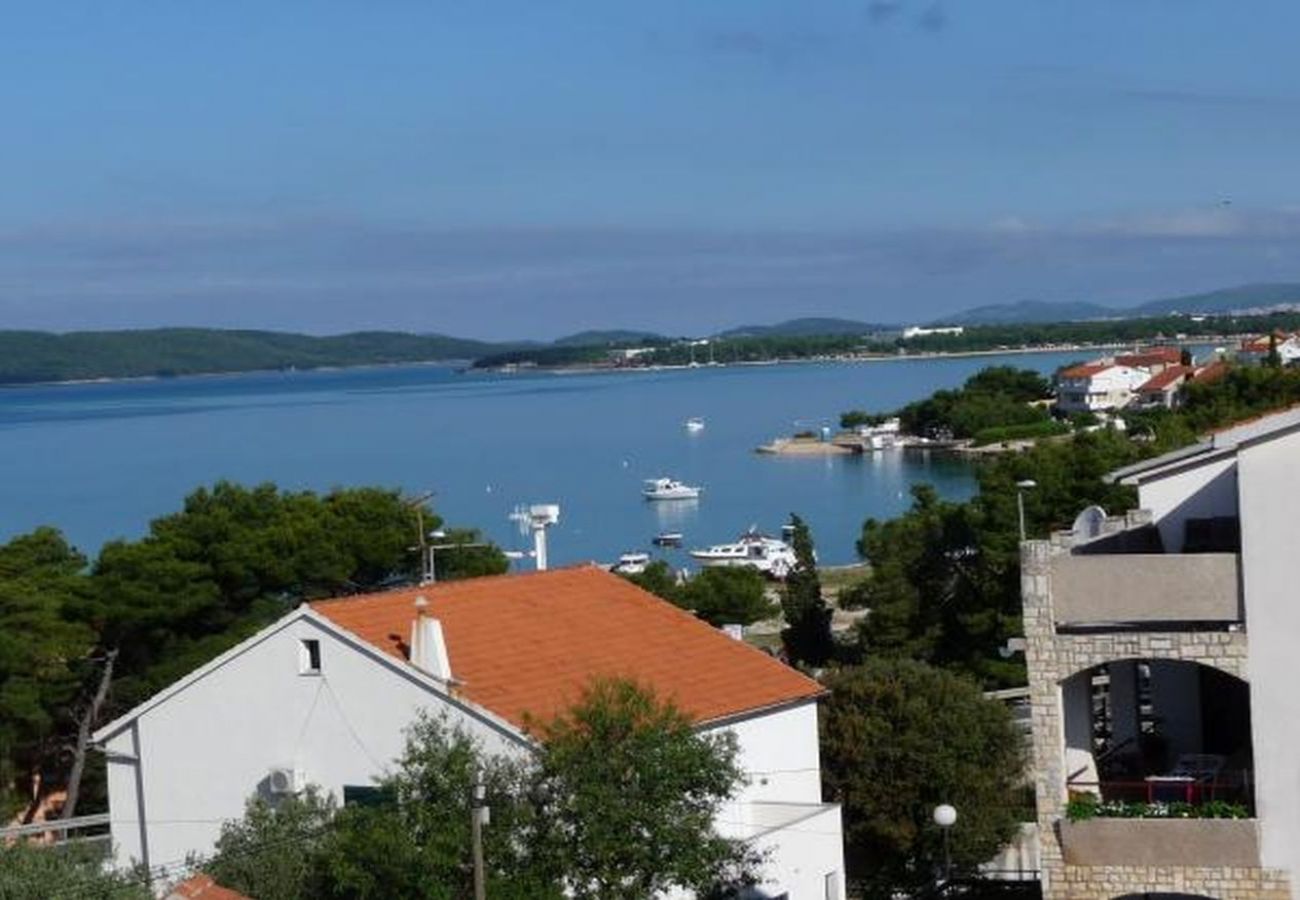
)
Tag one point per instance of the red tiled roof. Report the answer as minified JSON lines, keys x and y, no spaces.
{"x":525,"y":645}
{"x":1165,"y":378}
{"x":1152,"y":356}
{"x":202,"y":887}
{"x":1213,"y":372}
{"x":1087,"y":370}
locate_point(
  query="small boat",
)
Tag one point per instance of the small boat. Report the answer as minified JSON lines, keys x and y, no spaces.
{"x":632,"y":563}
{"x":667,"y":539}
{"x":694,"y":423}
{"x":668,"y":489}
{"x":756,"y":551}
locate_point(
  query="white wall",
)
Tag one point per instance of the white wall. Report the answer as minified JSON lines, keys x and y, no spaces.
{"x":1203,"y":491}
{"x":1268,"y":476}
{"x":779,"y":753}
{"x":203,"y":752}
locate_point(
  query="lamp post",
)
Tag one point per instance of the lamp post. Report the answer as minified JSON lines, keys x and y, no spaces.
{"x":1021,"y":487}
{"x":945,"y":816}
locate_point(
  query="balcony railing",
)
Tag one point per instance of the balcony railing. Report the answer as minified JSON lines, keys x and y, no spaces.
{"x":1159,"y":792}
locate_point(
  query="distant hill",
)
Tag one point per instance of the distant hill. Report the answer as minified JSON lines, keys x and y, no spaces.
{"x":611,"y":338}
{"x":803,"y":328}
{"x":1031,"y":311}
{"x":1248,"y":298}
{"x":32,"y":356}
{"x":1243,"y":299}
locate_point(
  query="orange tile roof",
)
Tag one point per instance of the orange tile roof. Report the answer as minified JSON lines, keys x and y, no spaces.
{"x":1087,"y":370}
{"x":1151,"y":356}
{"x":202,"y":887}
{"x":525,"y":645}
{"x":1212,"y":372}
{"x":1165,"y":378}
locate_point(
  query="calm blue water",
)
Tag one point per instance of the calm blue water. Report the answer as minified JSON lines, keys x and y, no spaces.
{"x":100,"y":460}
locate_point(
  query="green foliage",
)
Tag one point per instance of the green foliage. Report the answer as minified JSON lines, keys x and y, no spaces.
{"x":1033,"y":430}
{"x":995,"y":397}
{"x":727,"y":595}
{"x":807,"y":635}
{"x":1088,"y":806}
{"x":720,"y":595}
{"x":29,"y":356}
{"x":418,"y":845}
{"x":897,"y":739}
{"x":944,"y":580}
{"x":43,"y":658}
{"x":275,"y":851}
{"x":855,"y":418}
{"x":62,"y":872}
{"x":629,"y":794}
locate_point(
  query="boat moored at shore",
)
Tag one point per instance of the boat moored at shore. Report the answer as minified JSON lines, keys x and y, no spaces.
{"x":752,"y":549}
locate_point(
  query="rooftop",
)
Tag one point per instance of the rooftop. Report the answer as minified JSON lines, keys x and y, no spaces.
{"x":1152,"y":356}
{"x":526,"y":644}
{"x":1087,"y":370}
{"x":1161,"y":380}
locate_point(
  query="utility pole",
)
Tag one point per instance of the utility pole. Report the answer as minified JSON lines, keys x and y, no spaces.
{"x":478,"y":817}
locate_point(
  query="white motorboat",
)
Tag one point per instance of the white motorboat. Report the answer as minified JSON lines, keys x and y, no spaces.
{"x":757,"y":551}
{"x":667,"y":539}
{"x":632,"y":563}
{"x":694,"y":423}
{"x":668,"y":489}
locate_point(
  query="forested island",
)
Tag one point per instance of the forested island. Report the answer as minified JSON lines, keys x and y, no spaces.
{"x":30,"y":357}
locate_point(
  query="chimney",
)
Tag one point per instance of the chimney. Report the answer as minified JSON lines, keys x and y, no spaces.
{"x":428,"y":646}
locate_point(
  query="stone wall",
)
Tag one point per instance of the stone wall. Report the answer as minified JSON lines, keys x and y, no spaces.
{"x":1221,"y":883}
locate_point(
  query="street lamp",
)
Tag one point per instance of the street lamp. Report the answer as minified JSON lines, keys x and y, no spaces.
{"x":1021,"y":487}
{"x":945,"y":816}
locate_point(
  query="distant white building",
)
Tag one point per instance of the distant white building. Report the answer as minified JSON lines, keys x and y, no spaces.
{"x":915,"y":331}
{"x":1096,"y":387}
{"x":1256,"y":349}
{"x":323,"y":696}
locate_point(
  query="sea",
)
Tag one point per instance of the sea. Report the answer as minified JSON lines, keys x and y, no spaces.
{"x":101,"y":460}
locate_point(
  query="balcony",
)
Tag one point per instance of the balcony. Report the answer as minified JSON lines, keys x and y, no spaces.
{"x":1145,"y":589}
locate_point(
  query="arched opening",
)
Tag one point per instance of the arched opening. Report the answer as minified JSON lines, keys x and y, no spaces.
{"x":1159,"y":732}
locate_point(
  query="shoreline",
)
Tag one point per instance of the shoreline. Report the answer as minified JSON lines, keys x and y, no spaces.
{"x":464,"y":366}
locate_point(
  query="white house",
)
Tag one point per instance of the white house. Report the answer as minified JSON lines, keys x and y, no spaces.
{"x":1256,"y":349}
{"x":1094,"y":387}
{"x":323,"y":696}
{"x":1161,"y":651}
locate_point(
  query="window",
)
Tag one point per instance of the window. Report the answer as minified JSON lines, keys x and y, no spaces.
{"x":309,"y":658}
{"x":366,"y":795}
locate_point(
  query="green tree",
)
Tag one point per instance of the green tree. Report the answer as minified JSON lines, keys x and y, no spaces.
{"x":807,"y":635}
{"x":276,"y":851}
{"x":897,"y":739}
{"x":44,"y":661}
{"x":658,"y":579}
{"x":727,"y":595}
{"x":63,"y":872}
{"x":416,"y":842}
{"x":629,"y":793}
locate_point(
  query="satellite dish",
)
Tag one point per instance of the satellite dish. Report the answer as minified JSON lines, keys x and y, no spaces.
{"x":1087,"y":524}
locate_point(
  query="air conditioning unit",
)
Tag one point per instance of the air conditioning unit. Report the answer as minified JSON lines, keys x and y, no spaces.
{"x":283,"y":781}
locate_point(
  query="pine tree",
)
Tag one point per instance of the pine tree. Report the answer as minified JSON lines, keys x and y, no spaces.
{"x":807,"y":635}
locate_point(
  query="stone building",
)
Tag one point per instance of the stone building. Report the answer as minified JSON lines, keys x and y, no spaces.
{"x":1161,"y":650}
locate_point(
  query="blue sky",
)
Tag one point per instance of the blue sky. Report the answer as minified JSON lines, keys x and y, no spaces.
{"x":530,"y":169}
